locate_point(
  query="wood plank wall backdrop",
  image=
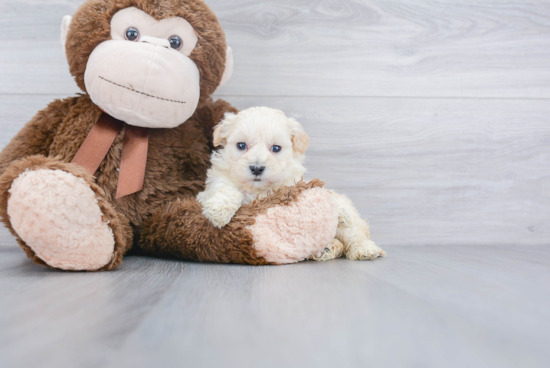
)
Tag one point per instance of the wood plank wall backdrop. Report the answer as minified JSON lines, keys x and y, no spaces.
{"x":433,"y":116}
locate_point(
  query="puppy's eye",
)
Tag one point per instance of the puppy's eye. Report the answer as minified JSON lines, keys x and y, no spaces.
{"x":275,"y":149}
{"x":132,"y":34}
{"x":176,"y":42}
{"x":241,"y":146}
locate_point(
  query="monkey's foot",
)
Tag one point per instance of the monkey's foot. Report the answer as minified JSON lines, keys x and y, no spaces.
{"x":291,"y":233}
{"x":334,"y":250}
{"x":57,"y":215}
{"x":365,"y":250}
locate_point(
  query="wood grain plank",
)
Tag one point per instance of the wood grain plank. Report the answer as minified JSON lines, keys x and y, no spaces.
{"x":68,"y":319}
{"x":421,"y":306}
{"x":424,"y":171}
{"x":433,"y":48}
{"x":346,"y":314}
{"x":31,"y":57}
{"x":388,"y":48}
{"x":433,"y":171}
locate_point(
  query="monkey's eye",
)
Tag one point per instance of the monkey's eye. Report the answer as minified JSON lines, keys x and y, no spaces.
{"x":132,"y":34}
{"x":176,"y":42}
{"x":275,"y":149}
{"x":241,"y":146}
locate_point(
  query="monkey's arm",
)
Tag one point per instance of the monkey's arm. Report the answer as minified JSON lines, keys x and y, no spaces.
{"x":285,"y":227}
{"x":37,"y":135}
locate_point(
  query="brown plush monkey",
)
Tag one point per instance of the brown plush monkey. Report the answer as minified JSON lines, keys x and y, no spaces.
{"x":119,"y":166}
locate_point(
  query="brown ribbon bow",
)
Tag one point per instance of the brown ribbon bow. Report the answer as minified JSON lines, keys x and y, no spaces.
{"x":134,"y":152}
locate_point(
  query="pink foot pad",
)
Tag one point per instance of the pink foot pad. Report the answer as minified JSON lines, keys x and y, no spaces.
{"x":58,"y":217}
{"x":288,"y":234}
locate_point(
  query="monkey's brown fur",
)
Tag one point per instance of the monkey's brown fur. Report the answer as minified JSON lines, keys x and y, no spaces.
{"x":162,"y":236}
{"x":163,"y":218}
{"x":91,"y":26}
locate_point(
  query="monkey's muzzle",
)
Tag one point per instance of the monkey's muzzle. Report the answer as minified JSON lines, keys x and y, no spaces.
{"x":143,"y":84}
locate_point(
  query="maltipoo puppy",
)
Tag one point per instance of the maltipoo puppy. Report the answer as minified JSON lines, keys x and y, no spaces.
{"x":261,"y":150}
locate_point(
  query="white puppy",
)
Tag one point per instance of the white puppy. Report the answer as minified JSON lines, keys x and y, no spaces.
{"x":262,"y":150}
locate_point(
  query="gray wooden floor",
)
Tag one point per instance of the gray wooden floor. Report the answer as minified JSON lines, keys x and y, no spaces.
{"x":424,"y":306}
{"x":433,"y":116}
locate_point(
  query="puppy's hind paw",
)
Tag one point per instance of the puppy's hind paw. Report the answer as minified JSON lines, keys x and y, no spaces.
{"x":365,"y":251}
{"x":334,"y":250}
{"x":344,"y":218}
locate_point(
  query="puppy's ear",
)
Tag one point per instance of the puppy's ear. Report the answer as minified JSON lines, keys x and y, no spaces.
{"x":221,"y":131}
{"x":300,"y":140}
{"x":217,"y":135}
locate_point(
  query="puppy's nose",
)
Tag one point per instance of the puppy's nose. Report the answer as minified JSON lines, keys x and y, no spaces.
{"x":257,"y":170}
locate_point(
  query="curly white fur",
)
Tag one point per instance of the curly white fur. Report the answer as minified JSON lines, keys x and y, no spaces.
{"x":232,"y":182}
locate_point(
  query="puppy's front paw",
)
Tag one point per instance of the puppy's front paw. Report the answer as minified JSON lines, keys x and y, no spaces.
{"x":219,"y":216}
{"x":219,"y":206}
{"x":332,"y":251}
{"x":365,"y":250}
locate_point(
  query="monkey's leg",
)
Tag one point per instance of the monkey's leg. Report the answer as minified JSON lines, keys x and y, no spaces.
{"x":60,"y":217}
{"x":286,"y":227}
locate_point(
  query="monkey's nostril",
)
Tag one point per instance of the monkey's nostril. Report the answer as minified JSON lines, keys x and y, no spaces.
{"x":257,"y":170}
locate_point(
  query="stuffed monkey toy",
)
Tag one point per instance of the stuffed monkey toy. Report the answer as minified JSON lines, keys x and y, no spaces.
{"x":118,"y":167}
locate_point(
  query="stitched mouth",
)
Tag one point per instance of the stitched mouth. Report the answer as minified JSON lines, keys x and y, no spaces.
{"x":141,"y":93}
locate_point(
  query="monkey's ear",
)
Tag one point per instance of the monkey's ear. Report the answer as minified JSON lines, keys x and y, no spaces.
{"x":300,"y":140}
{"x":221,"y":131}
{"x":228,"y":66}
{"x":65,"y":24}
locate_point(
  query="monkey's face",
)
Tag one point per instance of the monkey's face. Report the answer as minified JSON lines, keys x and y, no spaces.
{"x":144,"y":76}
{"x":145,"y":72}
